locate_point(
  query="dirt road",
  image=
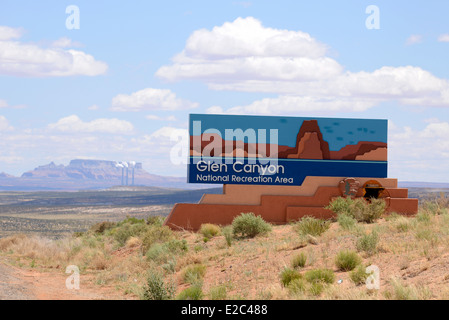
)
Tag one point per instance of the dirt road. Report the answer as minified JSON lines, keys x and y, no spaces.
{"x":12,"y":286}
{"x":32,"y":284}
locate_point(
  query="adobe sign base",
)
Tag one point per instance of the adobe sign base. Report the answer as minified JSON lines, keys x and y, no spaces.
{"x":282,"y":204}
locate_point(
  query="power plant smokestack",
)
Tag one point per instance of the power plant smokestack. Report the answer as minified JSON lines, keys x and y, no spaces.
{"x":133,"y":164}
{"x":126,"y":166}
{"x":119,"y":165}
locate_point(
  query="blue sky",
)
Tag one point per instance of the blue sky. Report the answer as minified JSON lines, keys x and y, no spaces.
{"x":122,"y":85}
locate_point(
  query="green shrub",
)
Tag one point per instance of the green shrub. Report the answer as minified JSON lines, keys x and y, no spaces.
{"x":402,"y":292}
{"x":312,"y":226}
{"x":209,"y":230}
{"x":101,"y":227}
{"x":156,"y":234}
{"x":299,"y":260}
{"x":124,"y":231}
{"x":341,"y":206}
{"x":346,"y":222}
{"x":347,"y":260}
{"x":403,"y":224}
{"x":248,"y":225}
{"x":368,"y":243}
{"x":228,"y":234}
{"x":156,"y":220}
{"x":194,"y":292}
{"x":423,"y":217}
{"x":165,"y":252}
{"x":320,"y":275}
{"x":359,"y":208}
{"x":359,"y":275}
{"x":194,"y":273}
{"x":297,"y":286}
{"x":288,"y":275}
{"x":217,"y":293}
{"x":316,"y":288}
{"x":157,"y":289}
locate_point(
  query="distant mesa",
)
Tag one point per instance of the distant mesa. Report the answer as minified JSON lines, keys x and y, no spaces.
{"x":309,"y":145}
{"x":86,"y":174}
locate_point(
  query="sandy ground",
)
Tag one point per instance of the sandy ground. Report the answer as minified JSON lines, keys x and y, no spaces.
{"x":26,"y":284}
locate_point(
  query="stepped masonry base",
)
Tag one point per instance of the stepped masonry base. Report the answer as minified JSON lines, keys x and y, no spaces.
{"x":282,"y":204}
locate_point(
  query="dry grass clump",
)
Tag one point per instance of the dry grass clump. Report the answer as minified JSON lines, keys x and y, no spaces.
{"x":209,"y":230}
{"x":247,"y":225}
{"x":359,"y":208}
{"x":48,"y":252}
{"x":312,"y":226}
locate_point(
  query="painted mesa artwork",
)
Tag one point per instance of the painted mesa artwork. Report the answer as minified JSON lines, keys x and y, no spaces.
{"x":285,"y":168}
{"x":284,"y":150}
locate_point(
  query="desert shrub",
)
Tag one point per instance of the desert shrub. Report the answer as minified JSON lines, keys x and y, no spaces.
{"x":423,"y":217}
{"x":403,"y":224}
{"x":101,"y":227}
{"x":359,"y":275}
{"x":359,"y":208}
{"x":320,"y":275}
{"x":193,"y":273}
{"x":157,"y":289}
{"x":299,"y":260}
{"x":228,"y":234}
{"x":392,"y":216}
{"x":209,"y":230}
{"x":133,"y":242}
{"x":347,"y":260}
{"x":312,"y":226}
{"x":249,"y":225}
{"x":297,"y":286}
{"x":123,"y":231}
{"x":288,"y":275}
{"x":156,"y":234}
{"x":167,"y":251}
{"x":316,"y":288}
{"x":218,"y":293}
{"x":8,"y":242}
{"x":155,"y":220}
{"x":426,"y":234}
{"x":402,"y":292}
{"x":341,"y":206}
{"x":194,"y":292}
{"x":346,"y":222}
{"x":368,"y":243}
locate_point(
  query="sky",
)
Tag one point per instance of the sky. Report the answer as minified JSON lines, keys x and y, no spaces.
{"x":116,"y":80}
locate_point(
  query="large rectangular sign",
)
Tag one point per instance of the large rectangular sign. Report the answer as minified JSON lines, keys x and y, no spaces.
{"x":232,"y":149}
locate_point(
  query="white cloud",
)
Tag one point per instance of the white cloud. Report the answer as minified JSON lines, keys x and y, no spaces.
{"x":215,"y":110}
{"x":4,"y":104}
{"x":290,"y":105}
{"x":245,"y":50}
{"x":4,"y":124}
{"x":93,"y":107}
{"x":420,"y":155}
{"x":65,"y":42}
{"x":243,"y":55}
{"x":414,"y":39}
{"x":158,"y":118}
{"x":29,"y":60}
{"x":8,"y":33}
{"x":73,"y":124}
{"x":150,"y":99}
{"x":443,"y":38}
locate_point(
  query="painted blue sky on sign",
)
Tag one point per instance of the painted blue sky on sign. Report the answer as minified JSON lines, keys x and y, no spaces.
{"x":338,"y":132}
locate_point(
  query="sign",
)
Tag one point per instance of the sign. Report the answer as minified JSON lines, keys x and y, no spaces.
{"x":265,"y":150}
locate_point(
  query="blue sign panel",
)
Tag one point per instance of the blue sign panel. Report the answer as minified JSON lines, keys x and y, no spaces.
{"x":228,"y":149}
